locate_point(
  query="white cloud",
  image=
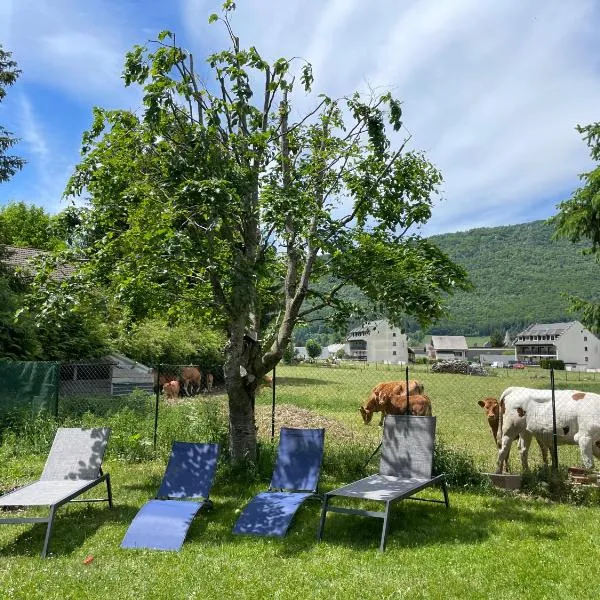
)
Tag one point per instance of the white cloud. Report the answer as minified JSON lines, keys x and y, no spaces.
{"x":492,"y":91}
{"x":31,"y":130}
{"x":75,"y":47}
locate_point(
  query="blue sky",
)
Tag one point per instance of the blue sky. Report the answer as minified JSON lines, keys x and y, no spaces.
{"x":492,"y":91}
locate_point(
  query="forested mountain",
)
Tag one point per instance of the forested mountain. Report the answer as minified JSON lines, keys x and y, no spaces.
{"x":520,"y":276}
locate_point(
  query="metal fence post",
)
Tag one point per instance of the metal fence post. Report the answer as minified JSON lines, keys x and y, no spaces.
{"x":273,"y":405}
{"x":554,"y":434}
{"x":156,"y":404}
{"x":56,"y":392}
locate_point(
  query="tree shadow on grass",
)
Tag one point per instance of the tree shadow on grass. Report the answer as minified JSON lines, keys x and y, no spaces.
{"x":72,"y":527}
{"x":149,"y":485}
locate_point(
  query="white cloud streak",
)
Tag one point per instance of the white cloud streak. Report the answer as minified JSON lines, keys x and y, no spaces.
{"x":492,"y":91}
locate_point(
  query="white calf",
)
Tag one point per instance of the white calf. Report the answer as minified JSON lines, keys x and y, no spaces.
{"x":528,"y":413}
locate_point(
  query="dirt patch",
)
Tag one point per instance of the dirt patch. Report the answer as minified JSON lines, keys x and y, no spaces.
{"x":287,"y":415}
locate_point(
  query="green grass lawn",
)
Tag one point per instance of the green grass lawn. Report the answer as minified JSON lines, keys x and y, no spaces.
{"x":488,"y":545}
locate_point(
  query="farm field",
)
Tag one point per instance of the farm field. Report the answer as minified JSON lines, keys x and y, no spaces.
{"x":338,"y":393}
{"x":488,"y":545}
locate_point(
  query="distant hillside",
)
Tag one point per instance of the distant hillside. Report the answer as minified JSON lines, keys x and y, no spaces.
{"x":520,"y":275}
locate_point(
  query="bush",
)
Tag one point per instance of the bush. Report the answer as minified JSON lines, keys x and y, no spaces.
{"x":458,"y":466}
{"x":154,"y":342}
{"x":552,"y":363}
{"x":313,"y":348}
{"x":131,"y":419}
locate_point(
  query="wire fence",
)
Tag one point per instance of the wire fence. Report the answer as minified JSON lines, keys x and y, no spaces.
{"x":465,"y":403}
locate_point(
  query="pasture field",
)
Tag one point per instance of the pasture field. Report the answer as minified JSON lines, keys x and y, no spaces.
{"x":488,"y":545}
{"x":339,"y":391}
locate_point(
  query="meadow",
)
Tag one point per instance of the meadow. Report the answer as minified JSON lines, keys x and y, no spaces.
{"x":490,"y":544}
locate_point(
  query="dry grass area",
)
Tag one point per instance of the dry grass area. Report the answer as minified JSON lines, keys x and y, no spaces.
{"x":288,"y":415}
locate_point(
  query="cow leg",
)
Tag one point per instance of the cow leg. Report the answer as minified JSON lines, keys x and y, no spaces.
{"x":586,"y":448}
{"x":524,"y":443}
{"x":504,"y":452}
{"x":543,"y":450}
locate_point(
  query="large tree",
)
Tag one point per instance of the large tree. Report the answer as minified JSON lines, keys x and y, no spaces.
{"x":219,"y":202}
{"x":30,"y":226}
{"x":579,"y":219}
{"x":9,"y":73}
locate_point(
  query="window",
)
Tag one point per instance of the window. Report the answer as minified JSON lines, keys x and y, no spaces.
{"x":586,"y":359}
{"x":394,"y":343}
{"x":585,"y":348}
{"x":394,"y":334}
{"x":585,"y":338}
{"x":394,"y":353}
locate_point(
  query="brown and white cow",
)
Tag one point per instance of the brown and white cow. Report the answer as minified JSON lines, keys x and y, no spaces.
{"x":492,"y":411}
{"x":171,"y":390}
{"x":528,"y":413}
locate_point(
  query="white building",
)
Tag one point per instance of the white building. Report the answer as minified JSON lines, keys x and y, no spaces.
{"x":326,"y":352}
{"x":377,"y":341}
{"x":448,"y":347}
{"x":570,"y":342}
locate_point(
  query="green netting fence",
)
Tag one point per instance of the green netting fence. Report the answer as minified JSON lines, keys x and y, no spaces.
{"x":28,"y":387}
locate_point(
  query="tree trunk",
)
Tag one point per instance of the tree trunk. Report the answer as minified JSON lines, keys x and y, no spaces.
{"x":242,"y":359}
{"x":242,"y":429}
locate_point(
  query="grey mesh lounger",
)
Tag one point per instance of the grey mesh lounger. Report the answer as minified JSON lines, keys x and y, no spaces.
{"x":73,"y":467}
{"x":405,"y":468}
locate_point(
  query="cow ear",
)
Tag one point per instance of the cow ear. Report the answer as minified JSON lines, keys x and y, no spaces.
{"x":481,"y":403}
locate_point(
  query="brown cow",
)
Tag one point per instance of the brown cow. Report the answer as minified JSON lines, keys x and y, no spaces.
{"x":171,"y":390}
{"x":418,"y":405}
{"x":383,"y":393}
{"x":160,"y":380}
{"x":191,"y":377}
{"x":209,"y":382}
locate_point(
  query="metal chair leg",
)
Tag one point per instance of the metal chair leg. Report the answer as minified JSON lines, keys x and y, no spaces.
{"x":323,"y":515}
{"x":109,"y":490}
{"x":445,"y":490}
{"x":386,"y":524}
{"x":48,"y":531}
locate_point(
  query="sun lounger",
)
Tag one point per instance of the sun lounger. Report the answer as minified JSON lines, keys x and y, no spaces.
{"x":163,"y":523}
{"x":295,"y":478}
{"x":405,"y":468}
{"x":73,"y":467}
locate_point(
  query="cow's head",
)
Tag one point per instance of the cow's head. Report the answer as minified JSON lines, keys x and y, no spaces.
{"x":366,"y":415}
{"x":490,"y":405}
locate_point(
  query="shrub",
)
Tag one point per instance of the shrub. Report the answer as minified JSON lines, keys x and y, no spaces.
{"x":458,"y":466}
{"x":154,"y":342}
{"x":313,"y":348}
{"x":552,"y":363}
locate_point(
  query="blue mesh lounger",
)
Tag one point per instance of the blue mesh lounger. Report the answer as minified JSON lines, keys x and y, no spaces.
{"x":405,"y":468}
{"x":72,"y":468}
{"x":295,"y":478}
{"x":163,"y":523}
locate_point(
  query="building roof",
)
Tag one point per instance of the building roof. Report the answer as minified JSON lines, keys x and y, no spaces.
{"x":24,"y":259}
{"x":546,"y":329}
{"x":368,"y":328}
{"x":449,"y":342}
